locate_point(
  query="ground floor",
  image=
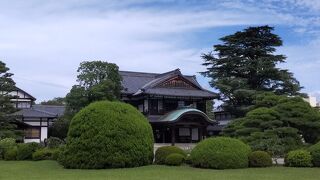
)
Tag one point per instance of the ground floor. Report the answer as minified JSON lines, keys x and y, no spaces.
{"x":11,"y":170}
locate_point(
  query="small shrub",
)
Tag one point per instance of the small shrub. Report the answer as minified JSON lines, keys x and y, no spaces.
{"x":108,"y":135}
{"x":298,"y":158}
{"x":54,"y":142}
{"x":174,"y":159}
{"x":46,"y":154}
{"x":163,"y":152}
{"x":315,"y":153}
{"x":6,"y":144}
{"x":10,"y":154}
{"x":25,"y":151}
{"x":188,"y":159}
{"x":260,"y":159}
{"x":220,"y":153}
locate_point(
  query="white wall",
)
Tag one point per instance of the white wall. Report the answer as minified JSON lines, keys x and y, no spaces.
{"x":31,"y":140}
{"x":44,"y":133}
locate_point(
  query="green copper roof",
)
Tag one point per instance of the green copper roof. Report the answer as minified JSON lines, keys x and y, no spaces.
{"x":176,"y":114}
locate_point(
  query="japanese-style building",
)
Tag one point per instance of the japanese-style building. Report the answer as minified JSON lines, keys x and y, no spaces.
{"x":34,"y":119}
{"x":174,"y":104}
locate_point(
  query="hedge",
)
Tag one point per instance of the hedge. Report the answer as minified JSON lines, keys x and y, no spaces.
{"x":6,"y":144}
{"x":298,"y":158}
{"x":260,"y":159}
{"x":10,"y":154}
{"x":220,"y":153}
{"x":108,"y":135}
{"x":54,"y":142}
{"x":46,"y":154}
{"x":315,"y":153}
{"x":162,"y":153}
{"x":25,"y":150}
{"x":174,"y":159}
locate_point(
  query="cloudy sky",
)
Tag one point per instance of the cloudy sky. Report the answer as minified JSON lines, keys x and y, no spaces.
{"x":43,"y":41}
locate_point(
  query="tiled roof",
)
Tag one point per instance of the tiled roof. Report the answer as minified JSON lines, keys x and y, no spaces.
{"x":136,"y":83}
{"x":41,"y":111}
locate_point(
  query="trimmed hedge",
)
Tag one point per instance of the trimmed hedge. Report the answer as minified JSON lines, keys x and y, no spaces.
{"x":46,"y":154}
{"x":10,"y":154}
{"x":25,"y":151}
{"x":108,"y":135}
{"x":260,"y":159}
{"x":162,"y":153}
{"x":298,"y":158}
{"x":315,"y":153}
{"x":174,"y":159}
{"x":220,"y":153}
{"x":6,"y":144}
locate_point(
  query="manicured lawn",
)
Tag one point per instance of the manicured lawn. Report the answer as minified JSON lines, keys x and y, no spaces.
{"x":51,"y":170}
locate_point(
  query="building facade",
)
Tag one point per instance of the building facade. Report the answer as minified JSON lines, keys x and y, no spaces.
{"x":174,"y":104}
{"x":35,"y":119}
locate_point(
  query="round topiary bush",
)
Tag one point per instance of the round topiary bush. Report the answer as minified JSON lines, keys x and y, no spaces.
{"x":220,"y":153}
{"x":54,"y":142}
{"x":315,"y":153}
{"x":108,"y":135}
{"x":298,"y":158}
{"x":174,"y":159}
{"x":260,"y":159}
{"x":163,"y":152}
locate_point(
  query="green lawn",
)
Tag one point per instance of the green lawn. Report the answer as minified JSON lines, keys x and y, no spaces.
{"x":45,"y":170}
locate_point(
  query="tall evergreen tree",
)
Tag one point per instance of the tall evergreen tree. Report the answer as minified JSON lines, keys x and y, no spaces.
{"x":7,"y":85}
{"x":245,"y":65}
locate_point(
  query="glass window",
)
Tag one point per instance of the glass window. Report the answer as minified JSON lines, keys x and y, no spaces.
{"x":32,"y":132}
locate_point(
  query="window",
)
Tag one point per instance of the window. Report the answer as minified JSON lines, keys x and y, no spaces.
{"x":32,"y":132}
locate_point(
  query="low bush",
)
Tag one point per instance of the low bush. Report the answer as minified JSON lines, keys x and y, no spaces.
{"x":298,"y":158}
{"x":220,"y":153}
{"x":6,"y":144}
{"x":25,"y":151}
{"x":54,"y":142}
{"x":260,"y":159}
{"x":315,"y":153}
{"x":163,"y":152}
{"x":46,"y":154}
{"x":174,"y":159}
{"x":10,"y":154}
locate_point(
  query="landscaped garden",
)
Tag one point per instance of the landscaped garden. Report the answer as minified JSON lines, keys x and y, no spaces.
{"x":52,"y":170}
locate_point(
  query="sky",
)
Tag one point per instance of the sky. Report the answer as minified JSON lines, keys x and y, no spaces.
{"x":43,"y":42}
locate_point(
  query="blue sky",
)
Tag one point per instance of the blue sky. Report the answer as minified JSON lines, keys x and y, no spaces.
{"x":43,"y":42}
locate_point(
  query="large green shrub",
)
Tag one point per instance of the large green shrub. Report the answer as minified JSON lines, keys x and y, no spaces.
{"x":260,"y":159}
{"x":220,"y":153}
{"x":315,"y":153}
{"x":54,"y":142}
{"x":174,"y":159}
{"x":46,"y":154}
{"x":10,"y":154}
{"x":6,"y":144}
{"x":108,"y":135}
{"x":162,"y":153}
{"x":25,"y":151}
{"x":298,"y":158}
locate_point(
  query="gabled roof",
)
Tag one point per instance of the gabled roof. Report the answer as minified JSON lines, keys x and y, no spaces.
{"x":137,"y":83}
{"x":32,"y":98}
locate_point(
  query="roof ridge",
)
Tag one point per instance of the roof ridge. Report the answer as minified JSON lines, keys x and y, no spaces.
{"x":46,"y":112}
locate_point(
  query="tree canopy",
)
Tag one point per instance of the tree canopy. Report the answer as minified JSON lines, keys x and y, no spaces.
{"x":244,"y":65}
{"x":8,"y":128}
{"x":57,"y":101}
{"x":97,"y":80}
{"x":277,"y":122}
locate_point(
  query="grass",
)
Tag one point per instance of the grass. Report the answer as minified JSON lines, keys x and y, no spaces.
{"x":52,"y":170}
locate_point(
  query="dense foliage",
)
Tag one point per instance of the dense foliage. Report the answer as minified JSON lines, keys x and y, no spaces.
{"x":260,"y":159}
{"x":46,"y":154}
{"x":174,"y":159}
{"x":98,"y":80}
{"x":57,"y":101}
{"x":108,"y":135}
{"x":8,"y":128}
{"x":315,"y":153}
{"x":25,"y":150}
{"x":11,"y":154}
{"x":60,"y":127}
{"x":5,"y":145}
{"x":220,"y":153}
{"x":163,"y":152}
{"x":298,"y":158}
{"x":54,"y":142}
{"x":245,"y":65}
{"x":276,"y":124}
